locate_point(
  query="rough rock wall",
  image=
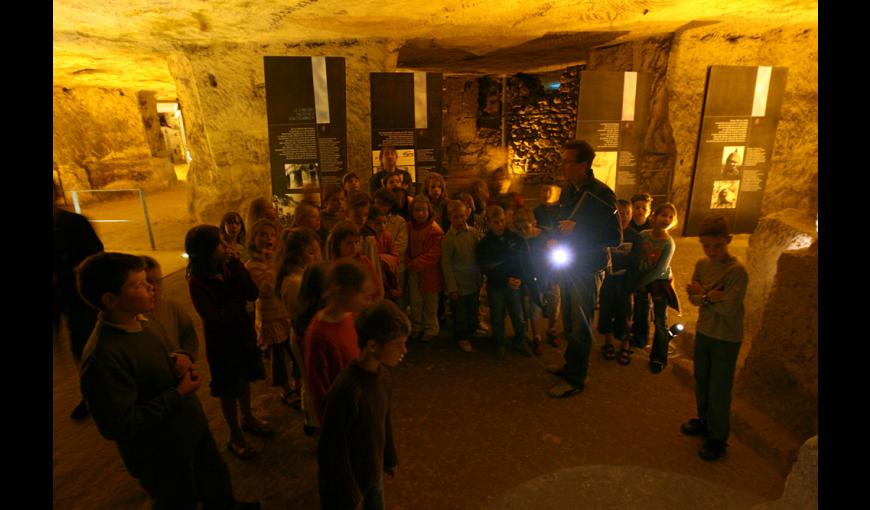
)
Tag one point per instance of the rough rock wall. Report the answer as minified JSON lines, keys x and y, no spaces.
{"x":793,"y":177}
{"x":802,"y":485}
{"x":650,"y":55}
{"x":151,"y":123}
{"x":99,"y":141}
{"x":781,"y":375}
{"x":788,"y":229}
{"x":472,"y":148}
{"x":539,"y":124}
{"x":222,"y":94}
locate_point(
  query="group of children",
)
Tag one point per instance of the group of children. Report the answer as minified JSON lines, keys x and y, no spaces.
{"x":331,"y":293}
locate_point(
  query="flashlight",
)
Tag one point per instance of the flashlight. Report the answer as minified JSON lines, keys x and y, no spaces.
{"x":675,"y":330}
{"x":560,"y":256}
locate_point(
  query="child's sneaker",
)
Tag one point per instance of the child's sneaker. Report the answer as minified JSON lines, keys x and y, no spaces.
{"x":554,"y":338}
{"x":694,"y":427}
{"x":712,"y":449}
{"x":537,"y":346}
{"x":465,"y":345}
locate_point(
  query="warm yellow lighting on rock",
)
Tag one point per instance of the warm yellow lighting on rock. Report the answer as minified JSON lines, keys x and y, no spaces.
{"x":801,"y":241}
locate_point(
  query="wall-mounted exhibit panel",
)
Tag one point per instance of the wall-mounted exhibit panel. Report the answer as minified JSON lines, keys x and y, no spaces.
{"x":738,"y":126}
{"x":305,"y":107}
{"x":612,"y":115}
{"x":406,"y":114}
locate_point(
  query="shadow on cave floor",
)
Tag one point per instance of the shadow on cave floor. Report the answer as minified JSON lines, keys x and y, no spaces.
{"x":469,"y":430}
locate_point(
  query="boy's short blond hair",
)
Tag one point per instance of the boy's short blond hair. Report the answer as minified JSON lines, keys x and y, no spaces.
{"x":493,"y":212}
{"x":453,"y":205}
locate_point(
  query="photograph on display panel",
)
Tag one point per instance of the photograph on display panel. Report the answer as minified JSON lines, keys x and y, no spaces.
{"x":301,"y":175}
{"x":724,"y":194}
{"x":285,"y":205}
{"x":405,"y":161}
{"x":732,"y":159}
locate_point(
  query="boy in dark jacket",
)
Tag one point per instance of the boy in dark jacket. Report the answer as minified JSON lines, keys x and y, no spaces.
{"x":615,"y":299}
{"x":500,"y":257}
{"x":356,"y":444}
{"x":144,"y":398}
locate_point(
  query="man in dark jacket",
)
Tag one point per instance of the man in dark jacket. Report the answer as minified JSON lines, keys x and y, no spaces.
{"x":73,"y":241}
{"x":588,"y":224}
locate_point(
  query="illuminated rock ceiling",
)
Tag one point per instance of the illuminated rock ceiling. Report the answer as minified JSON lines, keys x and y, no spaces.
{"x":126,"y":43}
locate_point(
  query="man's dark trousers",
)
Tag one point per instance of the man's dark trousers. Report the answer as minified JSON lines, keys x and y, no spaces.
{"x":578,"y":307}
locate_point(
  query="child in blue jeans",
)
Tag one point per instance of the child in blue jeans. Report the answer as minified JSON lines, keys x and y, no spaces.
{"x":654,"y":272}
{"x":461,"y":274}
{"x":499,"y":256}
{"x":615,"y":299}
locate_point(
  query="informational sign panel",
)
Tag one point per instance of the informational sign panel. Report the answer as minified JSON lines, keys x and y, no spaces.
{"x":612,"y":116}
{"x":406,"y":114}
{"x":305,"y":107}
{"x":738,"y":126}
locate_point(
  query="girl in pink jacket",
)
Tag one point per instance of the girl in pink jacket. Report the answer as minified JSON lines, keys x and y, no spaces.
{"x":424,"y":269}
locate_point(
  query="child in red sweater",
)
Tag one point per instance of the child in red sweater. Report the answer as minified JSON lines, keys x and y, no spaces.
{"x":330,"y":341}
{"x":424,"y":269}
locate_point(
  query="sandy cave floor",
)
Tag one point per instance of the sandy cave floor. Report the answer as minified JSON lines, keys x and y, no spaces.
{"x":470,"y":431}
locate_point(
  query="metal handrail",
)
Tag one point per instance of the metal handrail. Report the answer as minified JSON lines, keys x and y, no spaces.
{"x":77,"y":206}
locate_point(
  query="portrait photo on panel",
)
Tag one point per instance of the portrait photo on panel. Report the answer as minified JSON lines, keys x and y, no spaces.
{"x":732,"y":159}
{"x":725,"y":194}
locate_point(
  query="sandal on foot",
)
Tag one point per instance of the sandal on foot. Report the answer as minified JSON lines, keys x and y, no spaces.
{"x":261,"y":429}
{"x":292,"y":399}
{"x":624,"y":356}
{"x":608,"y":351}
{"x":242,"y":452}
{"x":553,"y":337}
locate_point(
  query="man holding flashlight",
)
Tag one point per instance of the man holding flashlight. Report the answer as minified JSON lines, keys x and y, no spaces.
{"x":588,"y":225}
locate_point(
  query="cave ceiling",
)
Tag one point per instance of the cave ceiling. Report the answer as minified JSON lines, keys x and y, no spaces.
{"x":126,"y":43}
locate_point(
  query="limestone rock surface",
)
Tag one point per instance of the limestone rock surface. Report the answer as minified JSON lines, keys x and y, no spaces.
{"x":100,"y":141}
{"x":126,"y":43}
{"x":222,"y":93}
{"x":802,"y":485}
{"x":788,"y":229}
{"x":781,"y":374}
{"x":793,"y":177}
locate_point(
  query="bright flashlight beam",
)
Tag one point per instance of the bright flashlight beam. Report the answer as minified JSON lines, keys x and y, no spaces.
{"x":560,"y":257}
